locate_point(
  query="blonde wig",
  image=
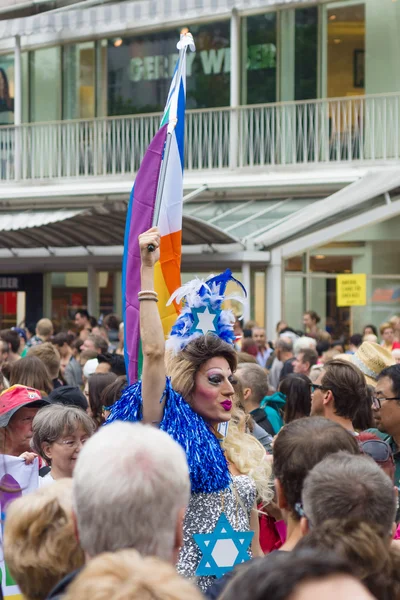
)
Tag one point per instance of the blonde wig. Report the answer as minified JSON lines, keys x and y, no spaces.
{"x":40,"y":547}
{"x":249,"y":457}
{"x":125,"y":575}
{"x":244,"y":451}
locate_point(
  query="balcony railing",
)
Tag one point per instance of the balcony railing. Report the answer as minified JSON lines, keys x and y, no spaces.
{"x":339,"y":130}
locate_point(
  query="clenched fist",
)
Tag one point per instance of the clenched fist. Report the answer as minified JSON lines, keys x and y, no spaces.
{"x":150,"y":237}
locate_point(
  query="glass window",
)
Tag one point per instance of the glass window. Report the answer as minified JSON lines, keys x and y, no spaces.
{"x":259,"y":64}
{"x":306,"y":53}
{"x":383,"y":302}
{"x":346,"y":51}
{"x":296,"y":263}
{"x":336,"y":320}
{"x":106,"y":284}
{"x":79,"y":81}
{"x":69,"y":293}
{"x":331,"y":263}
{"x":294,"y":300}
{"x":140,"y":70}
{"x":45,"y":84}
{"x":7,"y":89}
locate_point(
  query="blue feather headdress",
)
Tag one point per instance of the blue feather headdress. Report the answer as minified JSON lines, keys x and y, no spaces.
{"x":202,"y":310}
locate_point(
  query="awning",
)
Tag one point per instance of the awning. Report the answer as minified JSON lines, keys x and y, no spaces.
{"x":372,"y":188}
{"x":100,"y":227}
{"x":130,"y":16}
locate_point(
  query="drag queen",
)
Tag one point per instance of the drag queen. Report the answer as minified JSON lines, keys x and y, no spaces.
{"x":192,"y":374}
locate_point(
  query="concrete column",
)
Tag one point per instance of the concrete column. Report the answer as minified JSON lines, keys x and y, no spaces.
{"x":21,"y":308}
{"x":246,"y":280}
{"x":235,"y":89}
{"x":47,"y":296}
{"x":273,"y":294}
{"x":118,"y":293}
{"x":287,"y":55}
{"x":17,"y":107}
{"x":235,"y":58}
{"x":93,"y":291}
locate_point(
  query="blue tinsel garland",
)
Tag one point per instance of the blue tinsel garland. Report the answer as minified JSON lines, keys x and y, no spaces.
{"x":208,"y":466}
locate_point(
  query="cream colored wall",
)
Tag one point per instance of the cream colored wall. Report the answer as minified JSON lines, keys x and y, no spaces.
{"x":382,"y":46}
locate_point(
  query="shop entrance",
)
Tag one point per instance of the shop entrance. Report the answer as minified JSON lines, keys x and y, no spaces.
{"x":21,"y":299}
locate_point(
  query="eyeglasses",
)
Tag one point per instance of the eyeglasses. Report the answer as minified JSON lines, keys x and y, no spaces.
{"x":72,"y":444}
{"x":379,"y":450}
{"x":316,"y":386}
{"x":377,"y":402}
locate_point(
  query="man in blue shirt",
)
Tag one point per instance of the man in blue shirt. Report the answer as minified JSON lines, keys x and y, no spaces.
{"x":264,"y":351}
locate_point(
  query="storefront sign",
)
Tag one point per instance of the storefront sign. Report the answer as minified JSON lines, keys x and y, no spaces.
{"x":351,"y":290}
{"x":9,"y":283}
{"x":211,"y":62}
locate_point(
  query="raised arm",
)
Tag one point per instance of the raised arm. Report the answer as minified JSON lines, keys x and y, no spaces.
{"x":151,"y":332}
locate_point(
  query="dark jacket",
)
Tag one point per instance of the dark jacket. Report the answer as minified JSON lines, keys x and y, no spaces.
{"x":261,"y":419}
{"x":60,"y":590}
{"x":287,"y":368}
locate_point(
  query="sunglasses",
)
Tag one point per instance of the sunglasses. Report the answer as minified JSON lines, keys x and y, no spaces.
{"x":316,"y":386}
{"x":379,"y":450}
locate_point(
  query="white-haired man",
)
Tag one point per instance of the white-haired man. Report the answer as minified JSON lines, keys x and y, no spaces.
{"x":131,"y":489}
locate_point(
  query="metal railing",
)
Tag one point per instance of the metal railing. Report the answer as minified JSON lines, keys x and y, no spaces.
{"x":339,"y":130}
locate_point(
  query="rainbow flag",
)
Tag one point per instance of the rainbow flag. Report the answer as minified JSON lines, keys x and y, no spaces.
{"x":156,"y":199}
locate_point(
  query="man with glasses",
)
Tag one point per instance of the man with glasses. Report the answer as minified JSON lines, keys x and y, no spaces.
{"x":386,"y":410}
{"x":338,"y":393}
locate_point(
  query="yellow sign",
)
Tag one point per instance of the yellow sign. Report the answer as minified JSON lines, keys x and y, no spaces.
{"x":351,"y":290}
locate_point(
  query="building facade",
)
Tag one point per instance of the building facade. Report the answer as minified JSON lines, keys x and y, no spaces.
{"x":292,"y":150}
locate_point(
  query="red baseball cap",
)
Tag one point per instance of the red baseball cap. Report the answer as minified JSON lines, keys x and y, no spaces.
{"x":14,"y":398}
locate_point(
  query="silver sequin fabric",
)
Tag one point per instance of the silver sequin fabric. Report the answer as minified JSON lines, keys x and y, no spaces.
{"x":202,"y":515}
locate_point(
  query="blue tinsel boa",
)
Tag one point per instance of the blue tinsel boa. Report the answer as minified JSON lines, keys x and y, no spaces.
{"x":208,"y":466}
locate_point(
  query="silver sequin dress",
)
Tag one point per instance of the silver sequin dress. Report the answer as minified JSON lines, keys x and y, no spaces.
{"x":202,"y":515}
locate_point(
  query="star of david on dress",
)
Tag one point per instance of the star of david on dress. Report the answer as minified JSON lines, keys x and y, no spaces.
{"x":223,"y":549}
{"x":205,"y":319}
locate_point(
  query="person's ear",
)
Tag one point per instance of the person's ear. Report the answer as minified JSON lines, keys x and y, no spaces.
{"x":328,"y":397}
{"x":280,"y":495}
{"x":46,"y":447}
{"x":394,"y":529}
{"x":246,"y":393}
{"x":304,"y":526}
{"x":179,"y":533}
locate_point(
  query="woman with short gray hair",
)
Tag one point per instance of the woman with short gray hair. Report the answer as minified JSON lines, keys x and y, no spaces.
{"x":59,"y":432}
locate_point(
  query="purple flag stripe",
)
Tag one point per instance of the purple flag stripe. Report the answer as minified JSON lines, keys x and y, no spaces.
{"x":143,"y":202}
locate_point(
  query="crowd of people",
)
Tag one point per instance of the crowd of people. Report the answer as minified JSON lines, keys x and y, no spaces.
{"x":236,"y":467}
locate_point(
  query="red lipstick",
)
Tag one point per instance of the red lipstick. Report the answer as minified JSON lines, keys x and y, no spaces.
{"x":226,"y":405}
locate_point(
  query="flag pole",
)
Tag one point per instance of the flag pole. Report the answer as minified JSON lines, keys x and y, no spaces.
{"x":171,"y":126}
